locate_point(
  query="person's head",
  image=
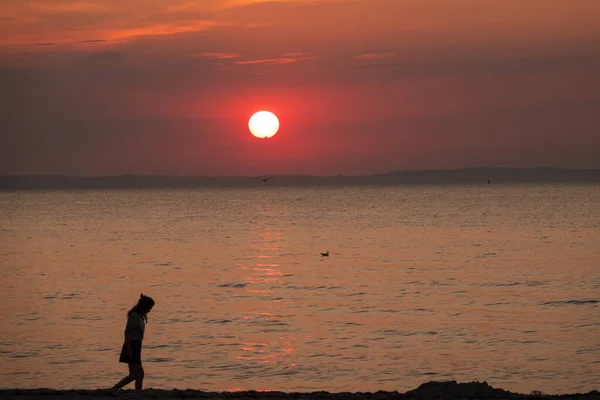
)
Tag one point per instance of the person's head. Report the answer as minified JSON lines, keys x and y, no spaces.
{"x":143,"y":306}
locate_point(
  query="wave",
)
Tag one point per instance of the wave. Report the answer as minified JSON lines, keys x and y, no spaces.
{"x":509,"y":284}
{"x":569,"y":302}
{"x":233,"y":285}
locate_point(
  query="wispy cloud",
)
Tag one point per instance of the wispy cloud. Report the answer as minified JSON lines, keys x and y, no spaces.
{"x":72,"y":22}
{"x":374,"y":56}
{"x":276,"y":61}
{"x":59,"y":7}
{"x":233,"y":3}
{"x":267,"y":61}
{"x":295,"y":54}
{"x":218,"y":56}
{"x":162,"y":29}
{"x":236,"y":3}
{"x":176,"y":8}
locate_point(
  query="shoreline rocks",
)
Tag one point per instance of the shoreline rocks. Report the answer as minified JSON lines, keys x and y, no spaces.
{"x":449,"y":390}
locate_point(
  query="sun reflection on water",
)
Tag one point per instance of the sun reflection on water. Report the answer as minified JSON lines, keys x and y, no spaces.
{"x":265,"y":276}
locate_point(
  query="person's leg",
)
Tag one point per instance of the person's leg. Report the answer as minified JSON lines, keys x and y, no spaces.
{"x":138,"y":375}
{"x":125,"y":381}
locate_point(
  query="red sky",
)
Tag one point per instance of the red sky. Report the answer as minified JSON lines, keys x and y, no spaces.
{"x":110,"y":87}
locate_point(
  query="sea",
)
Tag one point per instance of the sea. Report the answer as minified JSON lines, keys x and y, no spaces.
{"x":497,"y":283}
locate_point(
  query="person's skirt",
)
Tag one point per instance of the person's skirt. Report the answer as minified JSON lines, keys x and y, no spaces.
{"x":136,"y":353}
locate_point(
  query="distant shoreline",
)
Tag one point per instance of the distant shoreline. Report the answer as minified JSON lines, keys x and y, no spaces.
{"x":430,"y":390}
{"x":424,"y":177}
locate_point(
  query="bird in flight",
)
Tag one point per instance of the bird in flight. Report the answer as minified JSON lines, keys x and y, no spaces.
{"x":325,"y":254}
{"x":264,"y":179}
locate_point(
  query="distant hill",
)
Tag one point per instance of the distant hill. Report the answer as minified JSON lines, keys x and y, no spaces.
{"x":456,"y":176}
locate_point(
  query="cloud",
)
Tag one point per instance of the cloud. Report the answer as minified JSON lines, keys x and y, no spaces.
{"x":276,"y":61}
{"x":163,"y":29}
{"x":459,"y":65}
{"x":94,"y":41}
{"x":267,"y":61}
{"x":237,"y":3}
{"x":374,"y":56}
{"x":46,"y":44}
{"x":76,"y":21}
{"x":295,"y":54}
{"x":176,"y":8}
{"x":218,"y":56}
{"x":56,"y":7}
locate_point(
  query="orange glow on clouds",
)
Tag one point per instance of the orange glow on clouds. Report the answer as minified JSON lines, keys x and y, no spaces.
{"x":161,"y":29}
{"x":281,"y":60}
{"x":78,"y":20}
{"x":219,"y":56}
{"x":353,"y":80}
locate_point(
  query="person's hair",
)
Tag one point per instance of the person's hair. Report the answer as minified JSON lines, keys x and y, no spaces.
{"x":144,"y":304}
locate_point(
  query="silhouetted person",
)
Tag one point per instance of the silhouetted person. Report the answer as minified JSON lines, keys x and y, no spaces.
{"x":131,"y":353}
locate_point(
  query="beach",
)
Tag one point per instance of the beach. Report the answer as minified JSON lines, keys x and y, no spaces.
{"x":430,"y":390}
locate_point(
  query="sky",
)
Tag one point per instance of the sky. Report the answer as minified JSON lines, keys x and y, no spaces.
{"x":166,"y":87}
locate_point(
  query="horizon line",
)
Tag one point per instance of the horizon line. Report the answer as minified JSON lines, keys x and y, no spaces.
{"x":166,"y":175}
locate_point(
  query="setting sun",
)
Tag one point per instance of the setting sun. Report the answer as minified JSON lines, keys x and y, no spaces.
{"x":263,"y":124}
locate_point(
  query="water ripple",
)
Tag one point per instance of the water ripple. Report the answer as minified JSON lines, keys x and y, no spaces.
{"x":570,"y":302}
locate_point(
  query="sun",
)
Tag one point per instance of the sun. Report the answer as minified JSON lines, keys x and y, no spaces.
{"x":263,"y":124}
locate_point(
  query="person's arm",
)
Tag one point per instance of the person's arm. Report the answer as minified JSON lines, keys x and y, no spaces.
{"x":127,"y":334}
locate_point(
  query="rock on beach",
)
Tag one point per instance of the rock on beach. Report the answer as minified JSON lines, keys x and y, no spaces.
{"x":450,"y":390}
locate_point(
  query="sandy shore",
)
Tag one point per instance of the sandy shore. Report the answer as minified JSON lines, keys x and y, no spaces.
{"x":430,"y":390}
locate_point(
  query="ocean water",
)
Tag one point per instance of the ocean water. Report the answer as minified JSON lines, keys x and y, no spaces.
{"x":494,"y":282}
